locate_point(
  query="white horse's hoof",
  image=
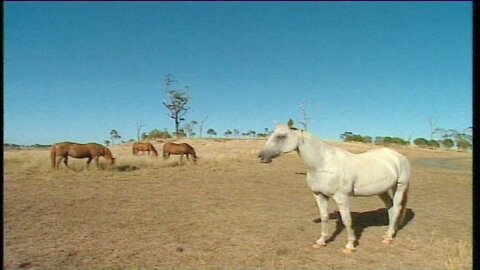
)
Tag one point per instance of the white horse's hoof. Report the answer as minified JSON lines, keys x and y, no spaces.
{"x":387,"y":241}
{"x":348,"y":250}
{"x":319,"y":243}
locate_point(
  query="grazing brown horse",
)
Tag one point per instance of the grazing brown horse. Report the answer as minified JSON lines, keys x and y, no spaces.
{"x":76,"y":150}
{"x":144,"y":146}
{"x":179,"y":149}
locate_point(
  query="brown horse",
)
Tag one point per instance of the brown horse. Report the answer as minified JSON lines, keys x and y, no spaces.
{"x":89,"y":150}
{"x":144,"y":146}
{"x":179,"y":149}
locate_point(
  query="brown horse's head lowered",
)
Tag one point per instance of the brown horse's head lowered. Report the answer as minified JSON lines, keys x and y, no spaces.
{"x":181,"y":149}
{"x":89,"y":150}
{"x":144,"y":147}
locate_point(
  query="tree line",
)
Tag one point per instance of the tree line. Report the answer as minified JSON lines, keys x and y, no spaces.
{"x":229,"y":133}
{"x":13,"y":145}
{"x":165,"y":134}
{"x":446,"y":138}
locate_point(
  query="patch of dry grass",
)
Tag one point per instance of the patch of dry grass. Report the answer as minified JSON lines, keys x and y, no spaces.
{"x":228,"y":211}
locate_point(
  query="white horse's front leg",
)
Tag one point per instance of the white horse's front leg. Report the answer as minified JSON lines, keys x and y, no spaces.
{"x":322,"y":203}
{"x":344,"y":208}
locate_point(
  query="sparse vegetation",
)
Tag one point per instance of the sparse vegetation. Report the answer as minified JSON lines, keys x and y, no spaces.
{"x":211,"y":132}
{"x":420,"y":142}
{"x":17,"y":146}
{"x":350,"y":137}
{"x":464,"y":144}
{"x":158,"y":134}
{"x":449,"y":139}
{"x":448,"y":143}
{"x":424,"y":143}
{"x":114,"y":135}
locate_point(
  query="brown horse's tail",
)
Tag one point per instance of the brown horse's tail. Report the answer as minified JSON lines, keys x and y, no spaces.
{"x":53,"y":155}
{"x":154,"y":150}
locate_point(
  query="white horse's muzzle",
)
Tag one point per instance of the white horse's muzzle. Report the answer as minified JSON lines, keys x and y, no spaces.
{"x":266,"y":156}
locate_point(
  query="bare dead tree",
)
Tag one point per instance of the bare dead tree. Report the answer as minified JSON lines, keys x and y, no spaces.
{"x":431,"y":123}
{"x":139,"y":128}
{"x":176,"y":103}
{"x":304,"y":114}
{"x":201,"y":125}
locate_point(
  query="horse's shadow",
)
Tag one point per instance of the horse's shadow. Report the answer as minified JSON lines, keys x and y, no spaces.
{"x":126,"y":168}
{"x":361,"y":221}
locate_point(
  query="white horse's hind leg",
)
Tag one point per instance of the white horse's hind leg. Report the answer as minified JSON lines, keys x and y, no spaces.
{"x":322,"y":203}
{"x":344,"y":208}
{"x":395,"y":212}
{"x":387,"y":200}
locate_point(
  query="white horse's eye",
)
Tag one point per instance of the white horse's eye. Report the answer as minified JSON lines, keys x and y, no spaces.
{"x":281,"y":137}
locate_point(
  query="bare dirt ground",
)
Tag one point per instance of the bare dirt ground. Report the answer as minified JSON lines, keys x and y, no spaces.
{"x":227,"y":212}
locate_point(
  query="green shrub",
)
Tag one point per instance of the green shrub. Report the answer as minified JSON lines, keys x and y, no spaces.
{"x":448,"y":143}
{"x":463,"y":144}
{"x":420,"y":142}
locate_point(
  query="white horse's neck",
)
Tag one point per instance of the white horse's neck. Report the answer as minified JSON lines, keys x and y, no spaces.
{"x":314,"y":152}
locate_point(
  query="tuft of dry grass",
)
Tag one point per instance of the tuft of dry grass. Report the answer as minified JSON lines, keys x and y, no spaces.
{"x":457,"y":255}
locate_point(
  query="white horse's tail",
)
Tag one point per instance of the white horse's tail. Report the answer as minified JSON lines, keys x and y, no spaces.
{"x":403,"y":212}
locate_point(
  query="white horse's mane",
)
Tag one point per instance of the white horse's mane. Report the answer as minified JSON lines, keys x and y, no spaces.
{"x":298,"y":132}
{"x":302,"y":133}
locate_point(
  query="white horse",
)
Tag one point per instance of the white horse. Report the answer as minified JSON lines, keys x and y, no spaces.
{"x":336,"y":173}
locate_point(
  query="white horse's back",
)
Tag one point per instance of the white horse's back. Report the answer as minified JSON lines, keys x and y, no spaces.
{"x":379,"y":170}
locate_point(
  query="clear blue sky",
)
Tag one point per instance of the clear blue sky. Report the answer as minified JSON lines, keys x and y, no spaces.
{"x":75,"y":71}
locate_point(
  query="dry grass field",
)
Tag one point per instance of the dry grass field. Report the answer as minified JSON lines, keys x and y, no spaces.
{"x":227,"y":212}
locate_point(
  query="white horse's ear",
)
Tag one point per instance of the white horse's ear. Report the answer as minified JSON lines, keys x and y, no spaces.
{"x":290,"y":123}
